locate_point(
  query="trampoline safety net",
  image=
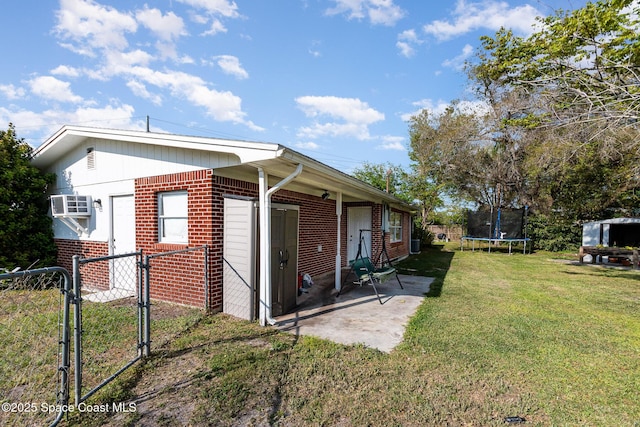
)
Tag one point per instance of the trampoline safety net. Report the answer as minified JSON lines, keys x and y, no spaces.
{"x":504,"y":220}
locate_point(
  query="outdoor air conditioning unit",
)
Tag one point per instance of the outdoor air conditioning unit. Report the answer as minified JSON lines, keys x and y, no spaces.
{"x":73,"y":211}
{"x":70,"y":206}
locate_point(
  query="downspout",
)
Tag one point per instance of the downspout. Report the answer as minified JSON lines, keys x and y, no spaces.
{"x":265,"y":240}
{"x":338,"y":275}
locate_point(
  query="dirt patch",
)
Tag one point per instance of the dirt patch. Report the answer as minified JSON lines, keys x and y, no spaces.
{"x":160,"y":397}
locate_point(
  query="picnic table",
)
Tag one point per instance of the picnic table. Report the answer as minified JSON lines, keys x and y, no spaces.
{"x":597,"y":252}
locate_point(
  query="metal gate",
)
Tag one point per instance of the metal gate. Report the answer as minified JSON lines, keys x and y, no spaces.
{"x":111,"y":328}
{"x":114,"y":312}
{"x":108,"y":318}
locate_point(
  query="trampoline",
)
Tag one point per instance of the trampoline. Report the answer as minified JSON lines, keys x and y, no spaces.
{"x":490,"y":240}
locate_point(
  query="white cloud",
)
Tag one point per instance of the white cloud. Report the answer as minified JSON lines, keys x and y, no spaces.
{"x":487,"y":14}
{"x":350,"y":109}
{"x":378,"y":12}
{"x":11,"y":92}
{"x":457,"y":63}
{"x":114,"y":116}
{"x":395,"y":143}
{"x":407,"y":40}
{"x":167,"y":27}
{"x":231,"y":65}
{"x":216,"y":27}
{"x":88,"y":28}
{"x":436,"y":108}
{"x":92,"y":26}
{"x":314,"y":49}
{"x":118,"y":63}
{"x":309,"y":145}
{"x":348,"y":116}
{"x":213,"y":9}
{"x":439,"y":107}
{"x":140,"y":90}
{"x":225,"y":8}
{"x":64,"y":70}
{"x":50,"y":88}
{"x":42,"y":124}
{"x":223,"y":106}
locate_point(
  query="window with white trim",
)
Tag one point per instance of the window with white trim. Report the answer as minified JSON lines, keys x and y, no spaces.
{"x":172,"y":217}
{"x":395,"y":227}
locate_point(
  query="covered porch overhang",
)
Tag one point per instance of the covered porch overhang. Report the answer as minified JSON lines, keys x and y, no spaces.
{"x":301,"y":174}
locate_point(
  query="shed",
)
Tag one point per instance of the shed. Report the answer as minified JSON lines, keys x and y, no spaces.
{"x":616,"y":232}
{"x":159,"y":192}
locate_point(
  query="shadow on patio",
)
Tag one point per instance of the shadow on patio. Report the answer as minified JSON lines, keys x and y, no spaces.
{"x":356,"y":316}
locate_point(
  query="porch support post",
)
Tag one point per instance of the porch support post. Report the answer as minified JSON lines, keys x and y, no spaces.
{"x":338,"y":276}
{"x":265,"y":194}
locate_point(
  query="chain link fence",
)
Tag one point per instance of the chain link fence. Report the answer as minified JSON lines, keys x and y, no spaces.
{"x":109,"y":328}
{"x":115,"y":319}
{"x":34,"y":336}
{"x":110,"y":324}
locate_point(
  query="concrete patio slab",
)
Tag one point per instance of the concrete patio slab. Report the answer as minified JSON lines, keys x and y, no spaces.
{"x":356,"y":316}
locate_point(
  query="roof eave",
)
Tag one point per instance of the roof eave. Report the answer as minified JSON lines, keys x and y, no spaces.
{"x":58,"y":143}
{"x":375,"y":193}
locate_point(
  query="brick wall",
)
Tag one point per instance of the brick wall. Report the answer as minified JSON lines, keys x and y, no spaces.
{"x":400,"y":249}
{"x":179,"y":278}
{"x":96,"y":274}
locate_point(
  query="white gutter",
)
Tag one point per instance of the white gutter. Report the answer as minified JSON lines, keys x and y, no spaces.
{"x":265,"y":240}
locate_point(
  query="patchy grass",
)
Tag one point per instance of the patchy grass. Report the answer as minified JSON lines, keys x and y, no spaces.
{"x":30,"y":331}
{"x":499,"y":335}
{"x":29,"y":363}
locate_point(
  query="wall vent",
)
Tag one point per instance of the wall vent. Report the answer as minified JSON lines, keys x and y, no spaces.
{"x":91,"y":158}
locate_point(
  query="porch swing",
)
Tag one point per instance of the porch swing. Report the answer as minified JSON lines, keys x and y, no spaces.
{"x":366,"y":270}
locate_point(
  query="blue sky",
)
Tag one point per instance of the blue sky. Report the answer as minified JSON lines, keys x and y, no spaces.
{"x":334,"y":79}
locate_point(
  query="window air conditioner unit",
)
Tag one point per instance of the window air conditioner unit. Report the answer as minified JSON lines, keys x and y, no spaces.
{"x":68,"y":205}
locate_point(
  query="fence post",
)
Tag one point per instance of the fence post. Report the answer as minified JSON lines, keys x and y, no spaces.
{"x":77,"y":329}
{"x":146,"y":350}
{"x":140,"y":291}
{"x":207,"y":302}
{"x":66,"y":350}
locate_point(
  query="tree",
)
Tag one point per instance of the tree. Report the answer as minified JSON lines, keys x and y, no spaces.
{"x":581,"y":65}
{"x":580,"y":75}
{"x":385,"y":177}
{"x":413,"y":188}
{"x":471,"y":154}
{"x":26,"y":235}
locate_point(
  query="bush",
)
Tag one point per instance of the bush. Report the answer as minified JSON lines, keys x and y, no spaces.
{"x":554,"y":233}
{"x":26,"y":235}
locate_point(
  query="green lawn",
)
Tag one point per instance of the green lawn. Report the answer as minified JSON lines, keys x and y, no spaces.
{"x":526,"y":334}
{"x":498,"y":335}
